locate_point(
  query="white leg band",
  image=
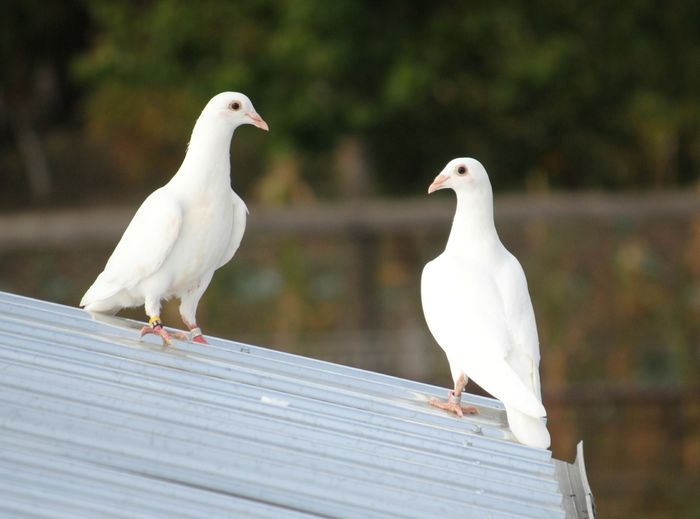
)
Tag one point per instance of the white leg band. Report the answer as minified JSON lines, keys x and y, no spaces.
{"x":455,"y":399}
{"x":195,"y":332}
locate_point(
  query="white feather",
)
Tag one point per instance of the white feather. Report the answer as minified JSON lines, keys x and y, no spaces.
{"x":184,"y":230}
{"x":478,"y":308}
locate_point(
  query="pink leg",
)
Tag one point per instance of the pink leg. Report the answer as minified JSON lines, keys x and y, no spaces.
{"x":454,"y":399}
{"x":156,"y":327}
{"x":195,"y":333}
{"x":188,"y":308}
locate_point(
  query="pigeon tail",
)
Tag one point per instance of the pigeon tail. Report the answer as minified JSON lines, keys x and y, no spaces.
{"x":528,"y":430}
{"x":499,"y":379}
{"x":102,"y":307}
{"x":101,"y":297}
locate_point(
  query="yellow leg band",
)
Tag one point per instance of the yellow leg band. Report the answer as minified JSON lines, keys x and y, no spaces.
{"x":155,"y":321}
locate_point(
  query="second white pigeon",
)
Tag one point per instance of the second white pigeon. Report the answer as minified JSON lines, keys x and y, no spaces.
{"x":477,"y":306}
{"x":184,"y":230}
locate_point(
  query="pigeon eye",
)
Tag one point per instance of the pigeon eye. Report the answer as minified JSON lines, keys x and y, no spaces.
{"x":462,"y":170}
{"x":235,"y":106}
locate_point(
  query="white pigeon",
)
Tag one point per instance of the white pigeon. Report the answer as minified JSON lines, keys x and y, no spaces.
{"x":477,"y":306}
{"x":184,"y":230}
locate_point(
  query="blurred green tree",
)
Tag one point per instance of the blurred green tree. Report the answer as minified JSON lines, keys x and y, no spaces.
{"x":570,"y":94}
{"x":566,"y":95}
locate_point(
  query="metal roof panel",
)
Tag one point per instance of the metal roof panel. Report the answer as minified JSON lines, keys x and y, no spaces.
{"x":96,"y":422}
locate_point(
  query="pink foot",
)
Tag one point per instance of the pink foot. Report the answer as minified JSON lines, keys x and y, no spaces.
{"x":163,"y":333}
{"x":196,"y":334}
{"x":454,"y":405}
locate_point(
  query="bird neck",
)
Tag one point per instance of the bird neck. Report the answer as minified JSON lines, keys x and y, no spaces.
{"x":208,"y":154}
{"x":473,"y":228}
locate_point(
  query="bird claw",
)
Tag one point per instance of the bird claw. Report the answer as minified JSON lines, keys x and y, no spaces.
{"x":164,"y":334}
{"x":195,"y":334}
{"x":455,"y":408}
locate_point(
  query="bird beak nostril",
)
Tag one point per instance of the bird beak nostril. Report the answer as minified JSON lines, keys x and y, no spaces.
{"x":258,"y":121}
{"x":438,"y":183}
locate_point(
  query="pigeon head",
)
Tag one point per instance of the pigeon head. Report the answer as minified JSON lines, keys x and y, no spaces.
{"x":464,"y":174}
{"x":235,"y":109}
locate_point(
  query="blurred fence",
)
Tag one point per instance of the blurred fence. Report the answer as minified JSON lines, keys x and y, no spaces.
{"x":615,"y":281}
{"x":97,"y":226}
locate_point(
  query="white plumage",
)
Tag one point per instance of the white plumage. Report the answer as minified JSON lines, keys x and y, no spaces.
{"x":478,"y":308}
{"x":184,"y":230}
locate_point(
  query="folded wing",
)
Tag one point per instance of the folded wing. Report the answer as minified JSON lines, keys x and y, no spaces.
{"x":465,"y":313}
{"x":145,"y":245}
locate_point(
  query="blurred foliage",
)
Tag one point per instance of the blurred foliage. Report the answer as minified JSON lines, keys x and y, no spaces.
{"x":568,"y":94}
{"x":38,"y":43}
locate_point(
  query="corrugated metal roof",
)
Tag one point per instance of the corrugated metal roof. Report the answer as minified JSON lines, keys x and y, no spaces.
{"x":94,"y":423}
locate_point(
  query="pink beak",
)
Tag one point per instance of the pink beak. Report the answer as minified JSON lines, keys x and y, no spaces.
{"x":438,"y":183}
{"x":258,"y":121}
